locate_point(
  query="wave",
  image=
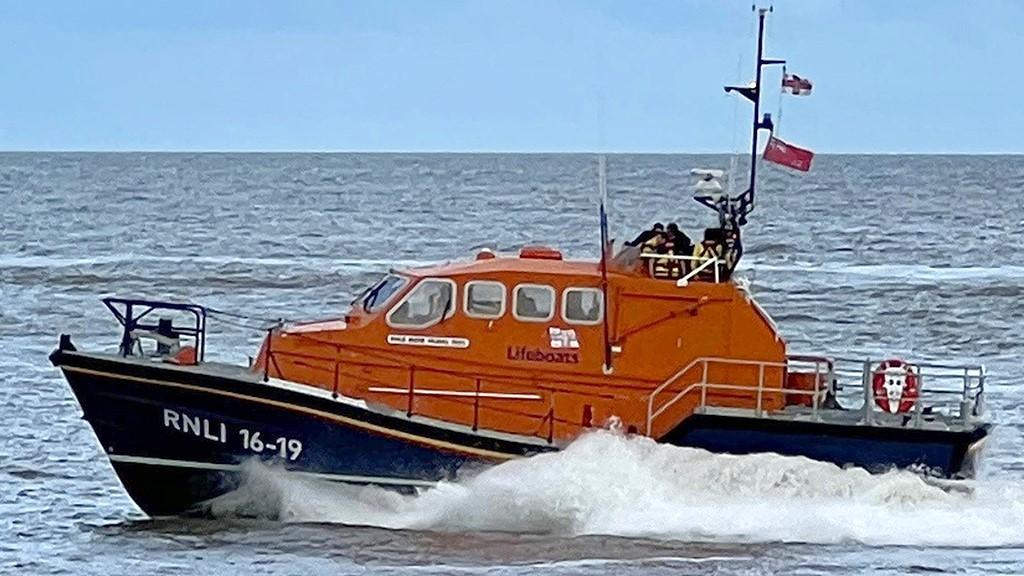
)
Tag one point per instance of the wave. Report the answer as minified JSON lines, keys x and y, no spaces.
{"x":311,"y":261}
{"x":609,"y":484}
{"x":901,"y":273}
{"x":205,"y":271}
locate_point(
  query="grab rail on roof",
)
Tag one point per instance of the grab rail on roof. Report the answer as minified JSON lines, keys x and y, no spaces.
{"x":704,"y":263}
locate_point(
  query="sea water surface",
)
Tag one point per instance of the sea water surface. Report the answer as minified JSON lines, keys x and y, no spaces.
{"x":866,"y":255}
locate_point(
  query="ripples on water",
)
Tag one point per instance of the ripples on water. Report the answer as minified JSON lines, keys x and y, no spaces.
{"x":916,"y":256}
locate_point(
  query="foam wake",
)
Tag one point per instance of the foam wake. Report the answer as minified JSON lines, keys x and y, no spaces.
{"x":606,"y":483}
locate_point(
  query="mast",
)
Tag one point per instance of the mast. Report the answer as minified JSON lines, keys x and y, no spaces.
{"x":744,"y":203}
{"x":602,"y":185}
{"x":757,"y":105}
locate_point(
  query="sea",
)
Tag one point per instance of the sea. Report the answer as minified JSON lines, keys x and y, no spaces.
{"x":909,"y":256}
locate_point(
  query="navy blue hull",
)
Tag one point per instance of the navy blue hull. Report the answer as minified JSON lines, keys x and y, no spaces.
{"x":177,"y":437}
{"x":878,"y":449}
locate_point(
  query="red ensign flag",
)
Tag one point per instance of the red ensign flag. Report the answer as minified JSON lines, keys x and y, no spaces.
{"x":788,"y":155}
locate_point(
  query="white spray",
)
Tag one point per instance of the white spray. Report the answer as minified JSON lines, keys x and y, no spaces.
{"x":607,"y":483}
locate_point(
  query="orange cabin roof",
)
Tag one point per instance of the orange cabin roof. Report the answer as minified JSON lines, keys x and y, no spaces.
{"x":508,"y":264}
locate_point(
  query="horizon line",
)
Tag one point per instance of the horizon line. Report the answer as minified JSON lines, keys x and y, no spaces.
{"x":473,"y":152}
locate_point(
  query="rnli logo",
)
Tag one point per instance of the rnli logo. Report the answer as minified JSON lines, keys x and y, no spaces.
{"x":563,"y":346}
{"x":563,"y":338}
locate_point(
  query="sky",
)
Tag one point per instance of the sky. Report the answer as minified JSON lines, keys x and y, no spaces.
{"x":907,"y":76}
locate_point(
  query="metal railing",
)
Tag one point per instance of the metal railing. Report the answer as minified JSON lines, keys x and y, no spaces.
{"x":704,"y":263}
{"x":134,"y":316}
{"x":475,"y":395}
{"x":953,"y":392}
{"x":703,"y":365}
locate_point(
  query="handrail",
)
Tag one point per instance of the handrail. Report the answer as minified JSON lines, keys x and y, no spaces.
{"x":707,"y":262}
{"x":476,"y":394}
{"x":704,"y":361}
{"x":704,"y":260}
{"x":131,"y":319}
{"x":817,"y":395}
{"x":412,"y":391}
{"x":826,"y":370}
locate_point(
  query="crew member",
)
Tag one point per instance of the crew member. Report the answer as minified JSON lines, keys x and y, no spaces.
{"x":675,"y":242}
{"x":681,"y":243}
{"x":654,"y":244}
{"x":657,"y":230}
{"x":709,"y":249}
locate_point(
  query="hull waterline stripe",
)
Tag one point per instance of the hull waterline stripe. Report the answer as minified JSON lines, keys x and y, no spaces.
{"x":193,"y":465}
{"x":383,"y":430}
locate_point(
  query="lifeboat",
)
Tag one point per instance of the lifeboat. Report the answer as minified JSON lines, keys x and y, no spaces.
{"x":502,"y":356}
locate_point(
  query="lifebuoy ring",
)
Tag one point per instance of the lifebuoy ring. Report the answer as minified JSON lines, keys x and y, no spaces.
{"x":895,"y":386}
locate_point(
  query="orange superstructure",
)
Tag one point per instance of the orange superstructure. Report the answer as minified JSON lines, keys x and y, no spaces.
{"x":517,"y":344}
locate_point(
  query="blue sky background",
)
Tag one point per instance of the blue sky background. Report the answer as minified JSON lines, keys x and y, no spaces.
{"x":569,"y":75}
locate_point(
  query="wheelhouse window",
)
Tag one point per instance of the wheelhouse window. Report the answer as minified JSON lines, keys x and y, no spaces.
{"x":534,"y":302}
{"x":485,"y":299}
{"x":582,"y":305}
{"x":377,"y":296}
{"x":431,"y":301}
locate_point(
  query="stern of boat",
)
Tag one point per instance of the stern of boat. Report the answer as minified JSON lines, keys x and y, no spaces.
{"x":861,"y":412}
